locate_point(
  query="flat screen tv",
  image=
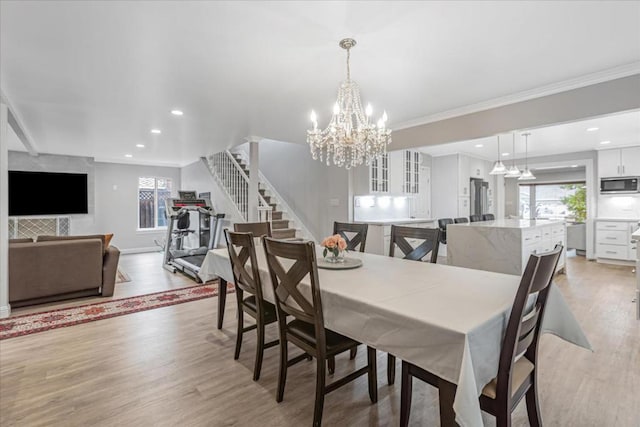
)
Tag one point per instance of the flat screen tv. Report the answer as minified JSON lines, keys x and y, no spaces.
{"x":47,"y":193}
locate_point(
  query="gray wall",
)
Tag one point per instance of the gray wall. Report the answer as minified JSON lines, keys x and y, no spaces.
{"x":112,"y":193}
{"x":590,"y":101}
{"x":306,"y":185}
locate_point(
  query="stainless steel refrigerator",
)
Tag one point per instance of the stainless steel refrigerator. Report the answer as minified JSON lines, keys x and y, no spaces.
{"x":479,"y":197}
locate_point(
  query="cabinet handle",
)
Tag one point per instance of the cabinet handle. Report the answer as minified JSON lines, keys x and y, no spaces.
{"x":610,"y":238}
{"x":618,"y":169}
{"x":610,"y":252}
{"x":623,"y":169}
{"x":610,"y":226}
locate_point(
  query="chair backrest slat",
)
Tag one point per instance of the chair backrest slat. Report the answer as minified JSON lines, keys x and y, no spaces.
{"x":258,"y":229}
{"x":475,"y":218}
{"x":242,"y":249}
{"x":286,"y":281}
{"x":461,"y":220}
{"x":523,"y":329}
{"x":430,"y":244}
{"x":358,"y":234}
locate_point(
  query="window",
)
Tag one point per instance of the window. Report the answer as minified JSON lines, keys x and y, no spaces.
{"x":547,"y":201}
{"x":152,"y":193}
{"x":411,"y":172}
{"x":379,"y":174}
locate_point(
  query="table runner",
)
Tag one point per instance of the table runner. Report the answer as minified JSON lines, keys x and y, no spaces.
{"x":447,"y":320}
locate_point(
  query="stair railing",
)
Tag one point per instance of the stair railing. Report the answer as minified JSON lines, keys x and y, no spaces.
{"x":235,"y":183}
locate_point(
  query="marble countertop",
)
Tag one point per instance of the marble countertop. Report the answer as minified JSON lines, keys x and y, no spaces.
{"x":509,"y":223}
{"x":395,"y":221}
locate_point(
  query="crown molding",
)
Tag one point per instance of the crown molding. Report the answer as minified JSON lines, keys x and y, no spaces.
{"x":552,"y":89}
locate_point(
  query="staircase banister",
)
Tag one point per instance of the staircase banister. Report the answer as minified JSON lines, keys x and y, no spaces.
{"x":262,"y":203}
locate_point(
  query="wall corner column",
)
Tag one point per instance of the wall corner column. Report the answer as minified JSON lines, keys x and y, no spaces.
{"x":5,"y":308}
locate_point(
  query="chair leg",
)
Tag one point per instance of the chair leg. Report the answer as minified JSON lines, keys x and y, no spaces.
{"x":331,"y":363}
{"x":282,"y":375}
{"x":391,"y":369}
{"x":320,"y":391}
{"x":503,"y":418}
{"x":239,"y":333}
{"x":533,"y":408}
{"x":353,"y":352}
{"x":446,"y":395}
{"x":372,"y":363}
{"x":259,"y":350}
{"x":405,"y":395}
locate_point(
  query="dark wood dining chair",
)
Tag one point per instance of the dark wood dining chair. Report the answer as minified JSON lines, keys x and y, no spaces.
{"x":518,"y":356}
{"x":488,"y":217}
{"x":430,"y":243}
{"x":358,"y":233}
{"x":442,"y":225}
{"x":307,"y":330}
{"x":475,"y":218}
{"x":242,"y":250}
{"x":258,"y":229}
{"x":461,"y":220}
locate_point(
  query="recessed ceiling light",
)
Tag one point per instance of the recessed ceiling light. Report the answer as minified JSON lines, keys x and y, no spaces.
{"x":479,"y":145}
{"x":505,"y":154}
{"x":605,"y":142}
{"x":156,"y":131}
{"x":592,"y":129}
{"x":140,"y":145}
{"x":128,"y":156}
{"x":177,"y":112}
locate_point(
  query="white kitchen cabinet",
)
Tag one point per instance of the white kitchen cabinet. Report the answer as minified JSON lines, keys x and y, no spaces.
{"x":379,"y":175}
{"x":379,"y":236}
{"x":613,"y":240}
{"x":619,"y":162}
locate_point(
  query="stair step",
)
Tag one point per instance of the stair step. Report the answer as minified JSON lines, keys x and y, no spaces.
{"x":275,"y":215}
{"x":273,"y":205}
{"x":267,"y":198}
{"x":279,"y":224}
{"x":284,"y":233}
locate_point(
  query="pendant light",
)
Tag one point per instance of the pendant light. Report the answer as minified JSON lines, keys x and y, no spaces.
{"x":513,"y":171}
{"x":498,"y":166}
{"x":526,"y":173}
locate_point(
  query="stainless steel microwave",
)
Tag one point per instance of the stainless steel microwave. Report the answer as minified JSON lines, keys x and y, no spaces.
{"x":620,"y":185}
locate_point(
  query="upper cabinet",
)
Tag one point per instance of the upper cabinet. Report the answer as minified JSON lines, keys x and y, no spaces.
{"x":619,"y":162}
{"x":379,"y":174}
{"x":396,"y":173}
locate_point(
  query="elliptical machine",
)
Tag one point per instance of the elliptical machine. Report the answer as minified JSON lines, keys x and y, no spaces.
{"x":177,"y":254}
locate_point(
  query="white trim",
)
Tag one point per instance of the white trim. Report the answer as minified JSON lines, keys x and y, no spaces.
{"x":552,"y":89}
{"x":140,"y":250}
{"x":151,"y":230}
{"x":5,"y":311}
{"x":17,"y":124}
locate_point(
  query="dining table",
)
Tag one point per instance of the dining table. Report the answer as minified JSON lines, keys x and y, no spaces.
{"x":447,"y":320}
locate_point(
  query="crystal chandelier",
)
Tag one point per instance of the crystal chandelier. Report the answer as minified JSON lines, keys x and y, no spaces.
{"x":350,"y":139}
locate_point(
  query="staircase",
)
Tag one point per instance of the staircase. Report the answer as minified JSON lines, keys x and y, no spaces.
{"x":231,"y":171}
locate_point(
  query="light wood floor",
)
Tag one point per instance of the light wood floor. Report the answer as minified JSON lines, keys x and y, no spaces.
{"x":171,"y":366}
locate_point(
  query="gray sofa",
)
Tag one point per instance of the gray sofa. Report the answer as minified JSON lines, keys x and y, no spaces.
{"x":55,"y":268}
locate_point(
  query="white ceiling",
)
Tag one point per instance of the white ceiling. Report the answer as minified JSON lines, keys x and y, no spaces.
{"x":92,"y":78}
{"x":619,"y":129}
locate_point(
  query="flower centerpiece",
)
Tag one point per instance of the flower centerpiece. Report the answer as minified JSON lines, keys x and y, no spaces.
{"x":334,"y":246}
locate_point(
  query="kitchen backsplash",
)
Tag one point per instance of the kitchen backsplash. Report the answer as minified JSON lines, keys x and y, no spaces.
{"x":619,"y":206}
{"x":376,"y":208}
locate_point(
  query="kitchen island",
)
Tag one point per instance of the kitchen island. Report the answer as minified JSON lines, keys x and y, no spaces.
{"x":503,"y":245}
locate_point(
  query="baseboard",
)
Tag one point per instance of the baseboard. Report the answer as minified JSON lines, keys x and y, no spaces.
{"x":616,"y":262}
{"x":140,"y":250}
{"x":5,"y":311}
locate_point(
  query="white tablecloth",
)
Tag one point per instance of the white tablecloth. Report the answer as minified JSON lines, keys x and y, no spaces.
{"x":447,"y":320}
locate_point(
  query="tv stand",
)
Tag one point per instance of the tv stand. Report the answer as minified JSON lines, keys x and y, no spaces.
{"x":21,"y":227}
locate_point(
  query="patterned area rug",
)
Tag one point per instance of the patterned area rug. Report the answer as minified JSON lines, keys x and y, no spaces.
{"x":26,"y":324}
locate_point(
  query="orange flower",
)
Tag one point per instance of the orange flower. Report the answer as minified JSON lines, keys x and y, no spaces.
{"x":342,"y":244}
